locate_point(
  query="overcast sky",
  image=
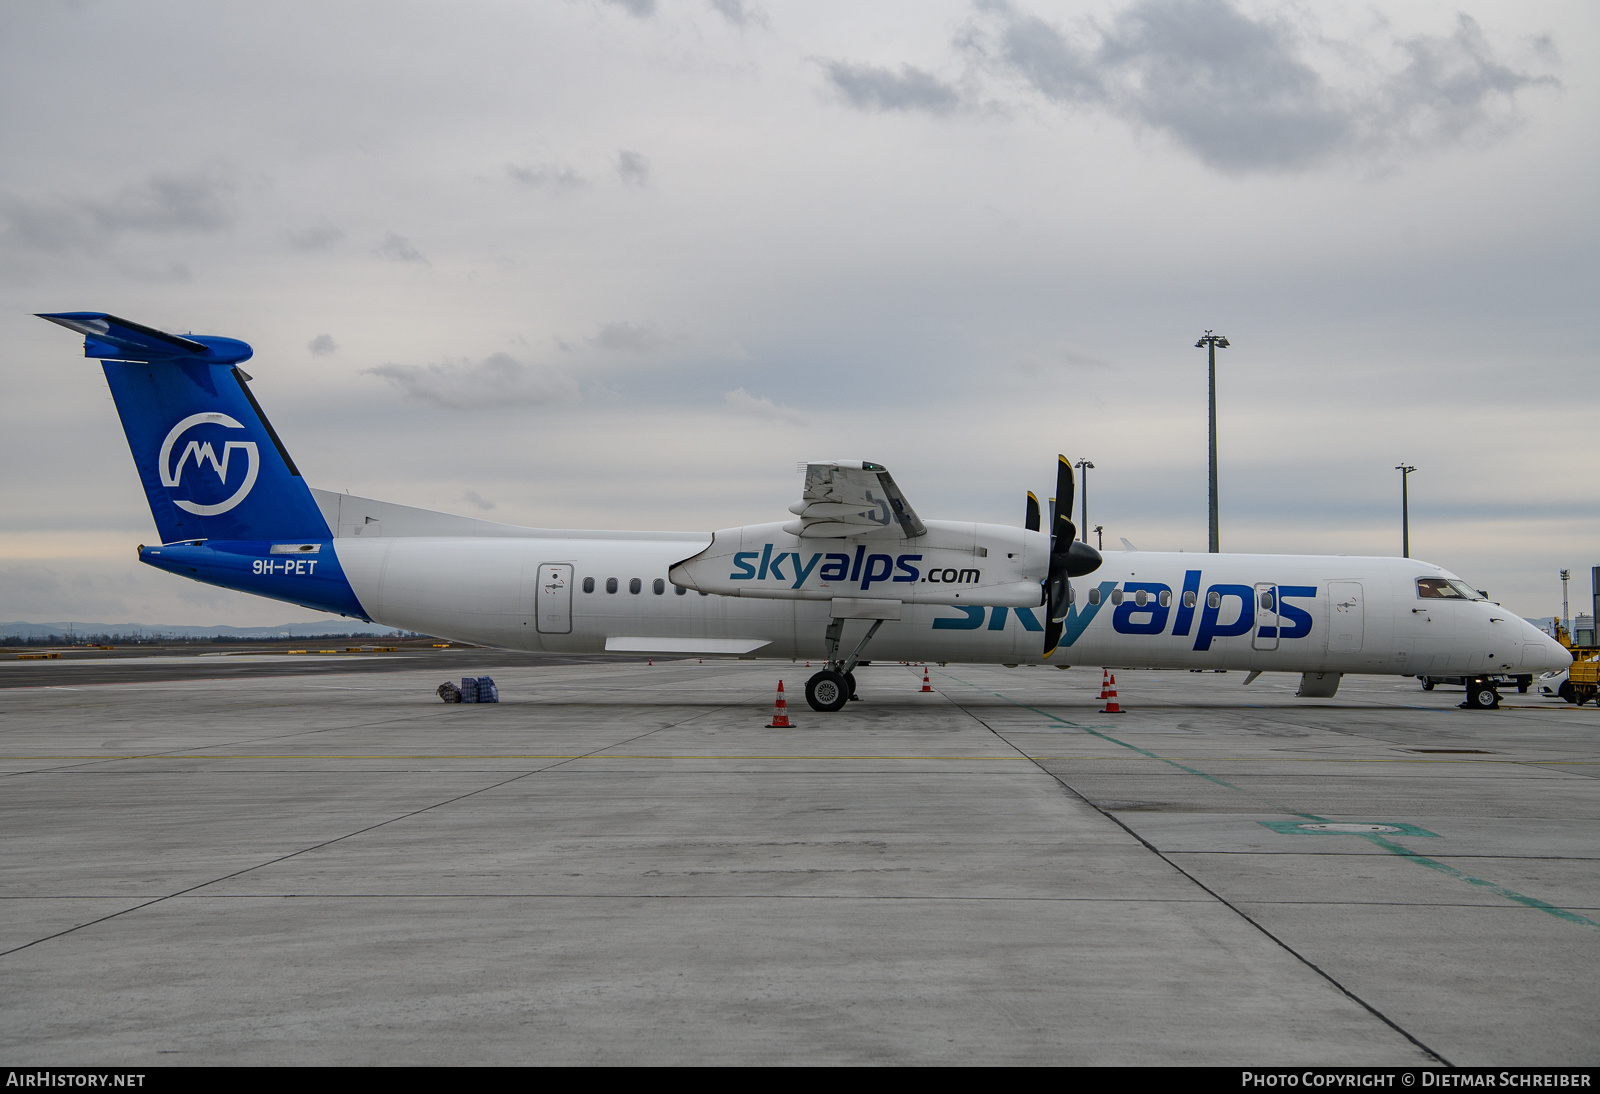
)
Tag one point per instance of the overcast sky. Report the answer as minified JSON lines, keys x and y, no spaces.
{"x":623,"y":263}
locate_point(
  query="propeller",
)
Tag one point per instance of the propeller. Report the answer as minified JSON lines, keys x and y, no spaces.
{"x":1031,"y":523}
{"x":1068,"y":556}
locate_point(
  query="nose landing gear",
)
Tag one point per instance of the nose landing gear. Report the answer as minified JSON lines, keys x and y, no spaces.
{"x":1481,"y":695}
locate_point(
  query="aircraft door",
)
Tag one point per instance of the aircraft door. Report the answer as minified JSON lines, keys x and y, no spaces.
{"x":1265,"y":636}
{"x":1347,"y":616}
{"x":553,"y":604}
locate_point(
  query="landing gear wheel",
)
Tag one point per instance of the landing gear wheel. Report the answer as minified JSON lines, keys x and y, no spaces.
{"x":1523,"y":684}
{"x":1427,"y":685}
{"x":1482,"y":697}
{"x":850,"y":682}
{"x":827,"y":691}
{"x":1567,"y":691}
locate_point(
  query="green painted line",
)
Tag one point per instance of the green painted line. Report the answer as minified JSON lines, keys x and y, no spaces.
{"x":1301,"y":828}
{"x":1372,"y":837}
{"x":1497,"y":890}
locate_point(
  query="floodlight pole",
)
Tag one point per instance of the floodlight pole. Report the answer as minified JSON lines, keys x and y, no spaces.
{"x":1212,"y":342}
{"x":1100,"y":539}
{"x":1566,"y":617}
{"x":1085,"y":466}
{"x":1405,"y":510}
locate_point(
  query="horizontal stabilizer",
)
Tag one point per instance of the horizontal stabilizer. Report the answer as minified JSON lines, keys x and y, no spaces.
{"x":110,"y":338}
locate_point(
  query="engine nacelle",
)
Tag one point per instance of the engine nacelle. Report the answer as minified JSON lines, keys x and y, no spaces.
{"x":953,"y":563}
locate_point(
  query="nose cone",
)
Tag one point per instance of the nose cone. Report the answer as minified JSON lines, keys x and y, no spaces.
{"x":1547,"y":655}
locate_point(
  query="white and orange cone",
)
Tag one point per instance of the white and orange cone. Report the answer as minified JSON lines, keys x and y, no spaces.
{"x":1110,"y":697}
{"x":1105,"y":683}
{"x":925,"y":685}
{"x":780,"y":712}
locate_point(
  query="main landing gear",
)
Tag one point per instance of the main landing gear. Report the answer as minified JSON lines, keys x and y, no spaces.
{"x":833,"y":687}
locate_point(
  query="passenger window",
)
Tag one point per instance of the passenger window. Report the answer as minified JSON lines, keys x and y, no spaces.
{"x":1094,"y":595}
{"x":1266,"y":601}
{"x":611,"y":584}
{"x":634,"y":586}
{"x":1072,"y":595}
{"x":1188,"y":598}
{"x":1141,"y":598}
{"x":1164,"y":598}
{"x":1213,"y":599}
{"x":1116,"y":596}
{"x":679,"y":590}
{"x":658,"y":586}
{"x":588,"y":584}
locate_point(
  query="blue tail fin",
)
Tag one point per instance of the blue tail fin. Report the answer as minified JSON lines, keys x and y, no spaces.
{"x":212,"y":467}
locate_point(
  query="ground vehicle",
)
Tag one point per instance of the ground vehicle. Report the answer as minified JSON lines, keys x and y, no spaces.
{"x":1583,"y":678}
{"x":1523,"y":681}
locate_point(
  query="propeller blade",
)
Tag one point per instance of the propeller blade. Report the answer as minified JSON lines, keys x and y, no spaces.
{"x":1031,"y":521}
{"x":1061,"y":526}
{"x":1069,"y":557}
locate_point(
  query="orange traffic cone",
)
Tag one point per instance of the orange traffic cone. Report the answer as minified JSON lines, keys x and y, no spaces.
{"x":925,"y":685}
{"x":1111,"y":697}
{"x":1105,"y":683}
{"x":780,"y":712}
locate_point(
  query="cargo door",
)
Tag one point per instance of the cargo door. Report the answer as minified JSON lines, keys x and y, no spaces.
{"x":1347,"y":616}
{"x":553,"y":599}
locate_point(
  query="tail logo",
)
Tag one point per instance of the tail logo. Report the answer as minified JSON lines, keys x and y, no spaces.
{"x":202,"y":452}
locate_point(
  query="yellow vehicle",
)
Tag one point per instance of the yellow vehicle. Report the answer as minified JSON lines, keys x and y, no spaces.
{"x":1583,"y":678}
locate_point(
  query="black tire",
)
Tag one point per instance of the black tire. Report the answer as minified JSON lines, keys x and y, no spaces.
{"x":850,"y":682}
{"x":1523,"y":684}
{"x":1427,"y":685}
{"x":1567,"y":691}
{"x":827,"y":692}
{"x":1482,"y":697}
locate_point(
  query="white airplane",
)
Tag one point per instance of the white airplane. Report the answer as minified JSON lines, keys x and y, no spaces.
{"x":854,"y":571}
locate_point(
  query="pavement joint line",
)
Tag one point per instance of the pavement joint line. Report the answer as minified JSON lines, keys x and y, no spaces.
{"x":325,"y":843}
{"x":743,"y":756}
{"x":1202,"y":886}
{"x":1373,"y":838}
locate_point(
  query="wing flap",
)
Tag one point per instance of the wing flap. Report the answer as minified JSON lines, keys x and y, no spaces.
{"x":851,"y":498}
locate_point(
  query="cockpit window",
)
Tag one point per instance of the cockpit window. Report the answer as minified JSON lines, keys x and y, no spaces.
{"x":1438,"y":588}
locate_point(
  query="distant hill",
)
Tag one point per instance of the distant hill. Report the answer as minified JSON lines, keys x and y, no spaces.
{"x":22,"y":632}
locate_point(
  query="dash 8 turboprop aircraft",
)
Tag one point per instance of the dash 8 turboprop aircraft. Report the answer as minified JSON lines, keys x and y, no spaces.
{"x":855,"y":569}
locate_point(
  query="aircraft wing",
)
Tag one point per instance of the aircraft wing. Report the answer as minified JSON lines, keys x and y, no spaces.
{"x":851,"y":498}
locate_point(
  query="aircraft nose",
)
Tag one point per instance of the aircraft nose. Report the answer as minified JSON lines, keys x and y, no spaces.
{"x":1556,"y":656}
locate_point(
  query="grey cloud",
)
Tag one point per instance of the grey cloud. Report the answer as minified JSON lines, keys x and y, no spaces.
{"x":1239,"y":92}
{"x":741,"y":402}
{"x":1451,"y":87}
{"x":639,"y":9}
{"x":322,"y":345}
{"x":632,"y":338}
{"x":553,"y":176}
{"x":739,"y":13}
{"x":164,"y":204}
{"x":497,"y":381}
{"x":876,"y":89}
{"x":633,"y":168}
{"x":478,"y":501}
{"x":399,"y":249}
{"x":318,"y":237}
{"x":173,"y":273}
